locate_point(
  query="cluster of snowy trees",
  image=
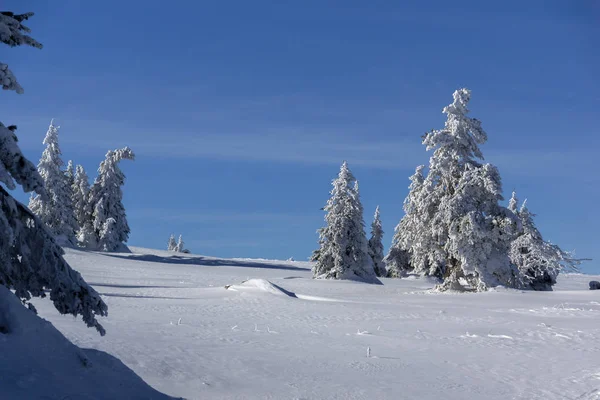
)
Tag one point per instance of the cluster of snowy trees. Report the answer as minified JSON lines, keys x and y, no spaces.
{"x":76,"y":213}
{"x":176,"y":246}
{"x":31,"y":262}
{"x":454,"y":227}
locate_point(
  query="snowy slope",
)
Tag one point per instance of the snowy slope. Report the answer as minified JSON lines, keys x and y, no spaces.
{"x":38,"y":362}
{"x":282,"y":335}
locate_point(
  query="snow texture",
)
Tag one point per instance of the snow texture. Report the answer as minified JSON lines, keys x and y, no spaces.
{"x":175,"y":325}
{"x":38,"y":362}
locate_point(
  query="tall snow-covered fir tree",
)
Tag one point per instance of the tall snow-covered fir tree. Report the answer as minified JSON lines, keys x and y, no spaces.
{"x":172,"y":244}
{"x":474,"y":229}
{"x":31,"y":262}
{"x":462,"y":232}
{"x":110,"y":226}
{"x":343,"y":247}
{"x":82,"y":207}
{"x":539,"y":261}
{"x":55,"y":210}
{"x":376,"y":245}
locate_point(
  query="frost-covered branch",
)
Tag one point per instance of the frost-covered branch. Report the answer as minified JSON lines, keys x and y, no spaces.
{"x":31,"y":262}
{"x":14,"y":33}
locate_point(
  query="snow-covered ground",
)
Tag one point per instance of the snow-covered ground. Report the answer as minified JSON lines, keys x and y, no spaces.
{"x":282,"y":335}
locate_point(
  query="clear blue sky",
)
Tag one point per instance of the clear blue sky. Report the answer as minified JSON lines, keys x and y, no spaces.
{"x":241,"y":112}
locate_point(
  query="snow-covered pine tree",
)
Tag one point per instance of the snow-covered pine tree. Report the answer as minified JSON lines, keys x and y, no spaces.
{"x":55,"y":210}
{"x":172,"y":244}
{"x":82,"y":209}
{"x":471,"y":232}
{"x":179,"y":247}
{"x":31,"y":263}
{"x":376,"y":245}
{"x":106,"y":201}
{"x":343,"y":252}
{"x":413,"y":245}
{"x":539,"y":261}
{"x":363,"y":262}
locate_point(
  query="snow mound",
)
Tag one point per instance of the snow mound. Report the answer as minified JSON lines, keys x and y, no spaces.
{"x":260,"y":285}
{"x":263,"y":285}
{"x":37,"y":361}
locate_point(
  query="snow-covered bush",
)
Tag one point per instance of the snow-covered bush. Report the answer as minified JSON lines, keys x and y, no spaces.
{"x":105,"y":200}
{"x":31,"y":262}
{"x":539,"y":261}
{"x":56,"y":209}
{"x":343,"y":250}
{"x":376,"y":245}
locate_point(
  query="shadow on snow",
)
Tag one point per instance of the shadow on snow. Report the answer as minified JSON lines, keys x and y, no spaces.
{"x":206,"y":262}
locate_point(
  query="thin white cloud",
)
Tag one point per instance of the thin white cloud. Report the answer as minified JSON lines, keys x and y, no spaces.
{"x":308,"y":147}
{"x":314,"y":149}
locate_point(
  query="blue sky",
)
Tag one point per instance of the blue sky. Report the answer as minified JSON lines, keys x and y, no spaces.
{"x":240,"y":113}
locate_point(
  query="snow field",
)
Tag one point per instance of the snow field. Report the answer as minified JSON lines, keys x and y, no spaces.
{"x":172,"y":321}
